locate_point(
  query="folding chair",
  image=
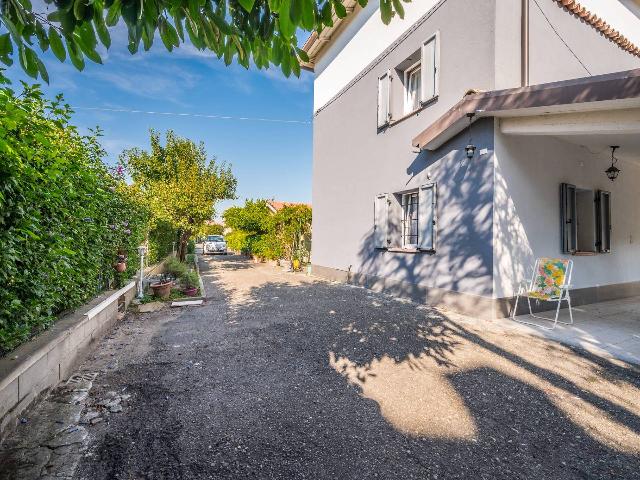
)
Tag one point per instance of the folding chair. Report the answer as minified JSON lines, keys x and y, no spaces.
{"x":550,"y":282}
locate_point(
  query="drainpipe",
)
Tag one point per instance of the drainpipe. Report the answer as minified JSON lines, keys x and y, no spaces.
{"x":524,"y":44}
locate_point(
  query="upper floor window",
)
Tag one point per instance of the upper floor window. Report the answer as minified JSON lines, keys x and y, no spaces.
{"x":413,"y":88}
{"x":384,"y":99}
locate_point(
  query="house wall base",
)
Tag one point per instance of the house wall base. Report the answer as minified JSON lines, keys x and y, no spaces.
{"x":472,"y":305}
{"x":464,"y":303}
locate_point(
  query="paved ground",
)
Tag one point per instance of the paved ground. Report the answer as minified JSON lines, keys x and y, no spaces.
{"x":282,"y":376}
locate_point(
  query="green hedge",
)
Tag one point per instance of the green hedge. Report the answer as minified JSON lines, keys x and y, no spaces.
{"x":63,"y":216}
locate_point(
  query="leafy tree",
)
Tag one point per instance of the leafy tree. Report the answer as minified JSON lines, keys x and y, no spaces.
{"x":258,"y":31}
{"x":212,"y":229}
{"x":179,"y":183}
{"x":292,"y":226}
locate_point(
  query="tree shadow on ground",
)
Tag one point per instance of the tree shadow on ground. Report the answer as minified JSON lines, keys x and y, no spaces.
{"x":408,"y":358}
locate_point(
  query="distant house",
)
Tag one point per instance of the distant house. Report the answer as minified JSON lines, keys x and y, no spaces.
{"x":453,"y":148}
{"x":275,"y":206}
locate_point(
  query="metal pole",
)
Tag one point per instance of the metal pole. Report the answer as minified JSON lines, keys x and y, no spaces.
{"x":525,"y":44}
{"x":141,"y":250}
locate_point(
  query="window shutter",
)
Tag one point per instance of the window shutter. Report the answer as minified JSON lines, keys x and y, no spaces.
{"x":381,"y":221}
{"x":603,"y":221}
{"x":569,"y":225}
{"x":427,"y":216}
{"x":430,"y":64}
{"x":384,"y":96}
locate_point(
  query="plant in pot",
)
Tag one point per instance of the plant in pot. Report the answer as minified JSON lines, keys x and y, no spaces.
{"x":162,"y":289}
{"x":190,"y":283}
{"x":121,"y":262}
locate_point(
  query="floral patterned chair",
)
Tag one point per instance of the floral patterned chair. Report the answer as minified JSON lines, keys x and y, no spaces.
{"x":550,"y":282}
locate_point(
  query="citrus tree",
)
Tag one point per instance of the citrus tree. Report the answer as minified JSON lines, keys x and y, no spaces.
{"x":262,"y":32}
{"x":178,"y":183}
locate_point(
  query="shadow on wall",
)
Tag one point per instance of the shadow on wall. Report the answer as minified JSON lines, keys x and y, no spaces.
{"x":463,"y":400}
{"x":463,"y":261}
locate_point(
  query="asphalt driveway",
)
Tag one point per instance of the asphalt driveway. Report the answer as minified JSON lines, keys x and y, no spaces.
{"x":282,"y":376}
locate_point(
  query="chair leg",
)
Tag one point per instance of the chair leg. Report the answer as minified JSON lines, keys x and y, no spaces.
{"x":515,"y":307}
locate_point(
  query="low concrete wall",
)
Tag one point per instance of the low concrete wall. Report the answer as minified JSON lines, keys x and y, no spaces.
{"x":41,"y":363}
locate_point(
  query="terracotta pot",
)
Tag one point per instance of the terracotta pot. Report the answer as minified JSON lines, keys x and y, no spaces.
{"x":120,"y":267}
{"x":161,"y":290}
{"x":190,"y":292}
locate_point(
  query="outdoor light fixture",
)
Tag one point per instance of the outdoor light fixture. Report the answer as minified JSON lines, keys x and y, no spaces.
{"x":470,"y":149}
{"x":613,"y":171}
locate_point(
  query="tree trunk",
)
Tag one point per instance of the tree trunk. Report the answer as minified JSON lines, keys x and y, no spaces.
{"x":182,"y":249}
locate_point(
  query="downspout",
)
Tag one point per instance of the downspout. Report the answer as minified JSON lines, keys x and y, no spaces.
{"x":524,"y":44}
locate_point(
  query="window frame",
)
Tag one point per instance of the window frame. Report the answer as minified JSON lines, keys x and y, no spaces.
{"x":408,"y":72}
{"x":414,"y":202}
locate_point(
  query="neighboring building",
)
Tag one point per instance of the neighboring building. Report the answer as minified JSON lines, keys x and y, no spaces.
{"x":275,"y":207}
{"x":399,"y":207}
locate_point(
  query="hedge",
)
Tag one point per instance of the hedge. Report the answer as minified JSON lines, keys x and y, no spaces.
{"x":63,"y":216}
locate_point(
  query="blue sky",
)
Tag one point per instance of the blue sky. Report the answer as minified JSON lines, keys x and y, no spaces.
{"x":269,"y":159}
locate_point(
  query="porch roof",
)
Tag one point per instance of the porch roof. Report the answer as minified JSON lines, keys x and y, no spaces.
{"x":614,"y":91}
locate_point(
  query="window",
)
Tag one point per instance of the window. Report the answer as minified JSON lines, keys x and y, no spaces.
{"x":406,"y":220}
{"x":430,"y":61}
{"x":413,"y":88}
{"x":585,"y":219}
{"x":410,"y":220}
{"x":384,"y":99}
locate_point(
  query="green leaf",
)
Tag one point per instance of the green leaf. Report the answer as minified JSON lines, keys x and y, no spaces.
{"x":43,"y":41}
{"x":101,"y":28}
{"x":79,"y":8}
{"x":28,"y":61}
{"x":308,"y":14}
{"x":56,"y":44}
{"x":341,"y":12}
{"x":6,"y":47}
{"x":397,"y":4}
{"x":43,"y":71}
{"x":302,"y":54}
{"x":326,"y":14}
{"x":287,"y":28}
{"x":295,"y":11}
{"x":386,"y":11}
{"x":113,"y":14}
{"x":247,"y":4}
{"x":75,"y":55}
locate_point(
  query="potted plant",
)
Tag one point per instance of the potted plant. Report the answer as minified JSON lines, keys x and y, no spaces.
{"x":190,"y":283}
{"x":121,"y":263}
{"x":162,"y":289}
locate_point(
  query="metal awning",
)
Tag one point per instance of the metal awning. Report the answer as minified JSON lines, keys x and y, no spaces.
{"x":615,"y":91}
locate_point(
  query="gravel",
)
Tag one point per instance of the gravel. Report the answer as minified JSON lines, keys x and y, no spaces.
{"x":281,"y":376}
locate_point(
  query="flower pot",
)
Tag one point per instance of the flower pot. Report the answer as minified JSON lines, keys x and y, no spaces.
{"x":120,"y":267}
{"x":190,"y":292}
{"x":161,"y":290}
{"x":296,"y":265}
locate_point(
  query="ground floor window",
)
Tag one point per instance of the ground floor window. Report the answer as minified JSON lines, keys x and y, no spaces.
{"x":410,"y":220}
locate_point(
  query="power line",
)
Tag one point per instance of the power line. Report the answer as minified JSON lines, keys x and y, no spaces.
{"x":560,"y":37}
{"x":196,"y":115}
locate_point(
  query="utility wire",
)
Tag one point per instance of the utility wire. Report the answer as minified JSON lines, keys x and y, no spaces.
{"x":196,"y":115}
{"x":561,"y":39}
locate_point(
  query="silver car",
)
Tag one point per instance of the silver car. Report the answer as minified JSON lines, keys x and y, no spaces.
{"x":215,"y":244}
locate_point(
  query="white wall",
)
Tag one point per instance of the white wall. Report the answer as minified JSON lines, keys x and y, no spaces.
{"x":528,"y":173}
{"x":363,"y":39}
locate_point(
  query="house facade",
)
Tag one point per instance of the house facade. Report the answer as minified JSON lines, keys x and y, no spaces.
{"x":454,"y":147}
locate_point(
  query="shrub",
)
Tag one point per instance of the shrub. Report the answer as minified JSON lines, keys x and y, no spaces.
{"x":63,"y":216}
{"x":191,"y":259}
{"x":190,"y":279}
{"x":175,"y":267}
{"x":191,"y":247}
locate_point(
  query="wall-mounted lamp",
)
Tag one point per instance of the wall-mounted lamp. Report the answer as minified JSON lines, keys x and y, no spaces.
{"x":613,"y":171}
{"x":470,"y":149}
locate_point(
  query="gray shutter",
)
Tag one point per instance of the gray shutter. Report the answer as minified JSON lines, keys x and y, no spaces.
{"x":429,"y":66}
{"x":569,"y":225}
{"x":603,"y":221}
{"x":381,"y":221}
{"x":384,"y":96}
{"x":427,"y":216}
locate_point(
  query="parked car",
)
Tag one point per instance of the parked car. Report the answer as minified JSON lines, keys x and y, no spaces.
{"x":215,"y":244}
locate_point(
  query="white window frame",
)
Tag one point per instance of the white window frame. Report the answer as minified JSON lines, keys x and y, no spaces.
{"x":408,"y":108}
{"x":425,"y":92}
{"x":384,"y":104}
